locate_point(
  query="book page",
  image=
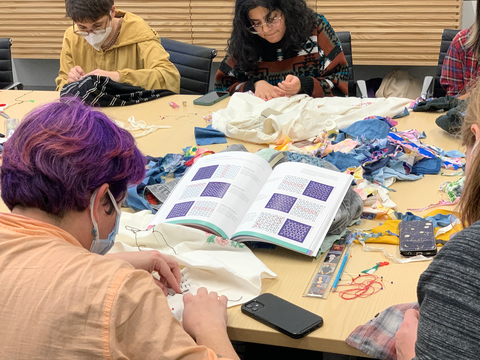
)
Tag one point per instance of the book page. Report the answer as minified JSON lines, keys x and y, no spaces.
{"x":296,"y":207}
{"x":216,"y":192}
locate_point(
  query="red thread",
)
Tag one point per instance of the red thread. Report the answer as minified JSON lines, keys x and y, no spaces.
{"x":368,"y":285}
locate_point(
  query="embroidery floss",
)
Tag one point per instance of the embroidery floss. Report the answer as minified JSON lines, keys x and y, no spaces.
{"x":361,"y":286}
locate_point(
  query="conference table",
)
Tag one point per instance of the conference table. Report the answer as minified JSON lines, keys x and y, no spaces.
{"x":294,"y":270}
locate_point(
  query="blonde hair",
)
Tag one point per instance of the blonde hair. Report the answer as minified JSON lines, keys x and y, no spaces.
{"x":474,"y":39}
{"x":470,"y":200}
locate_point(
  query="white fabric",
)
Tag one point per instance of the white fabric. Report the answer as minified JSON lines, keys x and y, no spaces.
{"x":219,"y":266}
{"x":301,"y":116}
{"x":140,"y":125}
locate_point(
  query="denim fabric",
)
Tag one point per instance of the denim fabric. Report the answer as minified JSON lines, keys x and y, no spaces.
{"x":342,"y":161}
{"x":208,"y":136}
{"x":427,"y":166}
{"x":369,"y":129}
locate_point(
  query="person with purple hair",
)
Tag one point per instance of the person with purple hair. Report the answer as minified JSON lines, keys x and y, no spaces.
{"x":64,"y":173}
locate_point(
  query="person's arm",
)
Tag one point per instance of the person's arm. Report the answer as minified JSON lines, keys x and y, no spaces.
{"x":449,"y":306}
{"x":205,"y":319}
{"x":333,"y":80}
{"x":452,"y":69}
{"x":228,"y":79}
{"x":138,"y":323}
{"x":154,"y":261}
{"x":158,"y":71}
{"x":66,"y":63}
{"x":406,"y":336}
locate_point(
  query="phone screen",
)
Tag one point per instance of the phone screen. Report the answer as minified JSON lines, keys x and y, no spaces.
{"x":211,"y":97}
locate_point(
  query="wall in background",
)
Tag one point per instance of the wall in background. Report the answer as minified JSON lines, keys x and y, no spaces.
{"x":40,"y":74}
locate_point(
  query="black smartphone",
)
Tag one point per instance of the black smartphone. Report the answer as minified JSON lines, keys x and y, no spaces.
{"x":211,"y":98}
{"x":417,"y":237}
{"x":282,"y":315}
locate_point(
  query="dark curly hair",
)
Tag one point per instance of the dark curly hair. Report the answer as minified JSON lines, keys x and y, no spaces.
{"x":244,"y":46}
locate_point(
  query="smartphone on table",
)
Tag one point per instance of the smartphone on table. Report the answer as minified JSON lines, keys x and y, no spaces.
{"x":417,"y":237}
{"x":211,"y":98}
{"x":282,"y":315}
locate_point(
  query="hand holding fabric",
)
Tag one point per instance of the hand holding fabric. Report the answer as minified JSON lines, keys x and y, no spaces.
{"x":205,"y":320}
{"x":114,"y":75}
{"x":151,"y":261}
{"x":291,"y":85}
{"x":265,"y":91}
{"x":203,"y":312}
{"x":75,"y":74}
{"x":406,"y":336}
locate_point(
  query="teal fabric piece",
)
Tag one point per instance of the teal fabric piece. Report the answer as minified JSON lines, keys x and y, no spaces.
{"x":267,"y":153}
{"x":328,"y":242}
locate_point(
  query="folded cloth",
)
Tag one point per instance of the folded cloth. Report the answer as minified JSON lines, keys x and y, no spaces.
{"x":208,"y":136}
{"x":159,"y":192}
{"x":442,"y":103}
{"x":427,"y":166}
{"x":377,"y":337}
{"x":452,"y":121}
{"x":97,"y":90}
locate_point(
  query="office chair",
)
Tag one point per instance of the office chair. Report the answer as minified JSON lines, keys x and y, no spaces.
{"x":6,"y":69}
{"x":194,"y":63}
{"x":346,"y":41}
{"x":431,"y":87}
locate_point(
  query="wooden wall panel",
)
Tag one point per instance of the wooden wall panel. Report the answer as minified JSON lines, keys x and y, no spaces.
{"x":391,"y":32}
{"x":212,"y":24}
{"x":37,"y":26}
{"x":384,"y":32}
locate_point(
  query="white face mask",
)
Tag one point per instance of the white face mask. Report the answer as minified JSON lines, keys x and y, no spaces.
{"x":97,"y":40}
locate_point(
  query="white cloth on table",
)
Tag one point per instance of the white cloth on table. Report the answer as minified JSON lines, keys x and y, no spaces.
{"x":226,"y":267}
{"x":300,"y":117}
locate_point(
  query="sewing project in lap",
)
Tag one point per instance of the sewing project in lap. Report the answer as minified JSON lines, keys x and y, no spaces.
{"x":220,"y":265}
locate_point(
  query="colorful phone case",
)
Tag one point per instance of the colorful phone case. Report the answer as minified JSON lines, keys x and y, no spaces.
{"x":417,"y":238}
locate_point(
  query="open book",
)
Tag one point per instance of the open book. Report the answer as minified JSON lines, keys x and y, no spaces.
{"x":238,"y":196}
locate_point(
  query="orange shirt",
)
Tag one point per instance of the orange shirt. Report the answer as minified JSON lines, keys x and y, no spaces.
{"x":59,"y":301}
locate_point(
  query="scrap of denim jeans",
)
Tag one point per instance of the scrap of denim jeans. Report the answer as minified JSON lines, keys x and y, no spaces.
{"x":208,"y":136}
{"x":368,"y":129}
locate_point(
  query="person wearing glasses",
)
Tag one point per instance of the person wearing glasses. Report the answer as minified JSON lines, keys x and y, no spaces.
{"x":282,"y":48}
{"x":117,"y":44}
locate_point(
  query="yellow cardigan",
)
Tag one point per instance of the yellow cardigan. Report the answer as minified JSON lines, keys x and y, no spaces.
{"x":137,"y":55}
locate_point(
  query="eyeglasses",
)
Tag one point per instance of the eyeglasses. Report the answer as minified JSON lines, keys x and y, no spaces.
{"x":270,"y":23}
{"x":97,"y":30}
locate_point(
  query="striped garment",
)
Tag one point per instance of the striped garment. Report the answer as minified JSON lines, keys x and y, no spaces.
{"x":321,"y":66}
{"x":449,"y":297}
{"x":460,"y":65}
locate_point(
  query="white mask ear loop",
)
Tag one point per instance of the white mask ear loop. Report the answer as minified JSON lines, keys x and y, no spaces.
{"x":474,"y":147}
{"x":92,"y":199}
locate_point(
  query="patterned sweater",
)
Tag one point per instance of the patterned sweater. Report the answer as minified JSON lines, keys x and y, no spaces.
{"x":449,"y":296}
{"x":320,"y":65}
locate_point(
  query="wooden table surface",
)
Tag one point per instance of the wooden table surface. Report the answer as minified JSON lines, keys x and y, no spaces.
{"x":294,"y":270}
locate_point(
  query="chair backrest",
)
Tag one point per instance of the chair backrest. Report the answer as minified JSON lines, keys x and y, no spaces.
{"x":447,"y":37}
{"x":194,"y":63}
{"x":346,"y":41}
{"x":6,"y":72}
